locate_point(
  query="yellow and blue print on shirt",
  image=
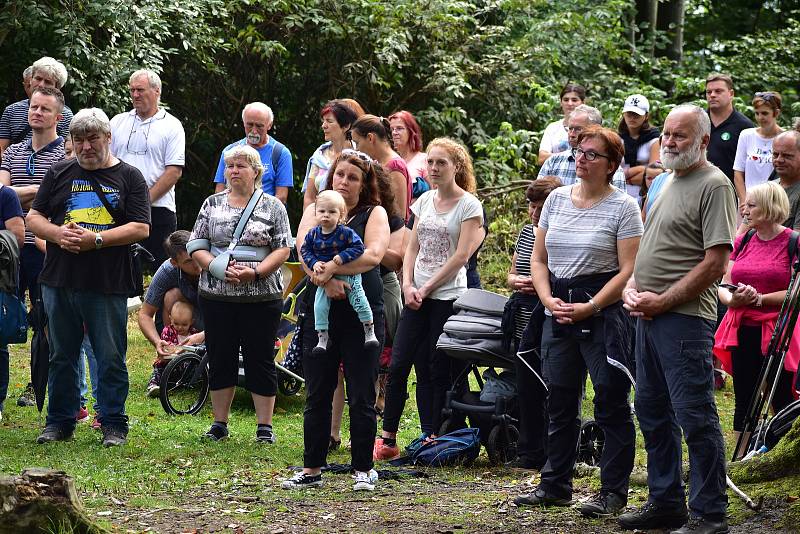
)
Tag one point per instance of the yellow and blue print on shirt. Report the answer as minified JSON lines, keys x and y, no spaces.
{"x":85,"y":208}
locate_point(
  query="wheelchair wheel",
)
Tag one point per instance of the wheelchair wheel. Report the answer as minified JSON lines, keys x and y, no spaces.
{"x":502,"y":447}
{"x":184,"y":384}
{"x":590,"y":444}
{"x":288,"y":385}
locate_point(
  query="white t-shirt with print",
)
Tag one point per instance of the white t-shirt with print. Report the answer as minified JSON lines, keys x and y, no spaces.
{"x":438,"y":233}
{"x":554,"y":138}
{"x":753,"y":157}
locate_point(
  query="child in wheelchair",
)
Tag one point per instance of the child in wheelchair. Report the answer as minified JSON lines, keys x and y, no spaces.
{"x":174,"y":334}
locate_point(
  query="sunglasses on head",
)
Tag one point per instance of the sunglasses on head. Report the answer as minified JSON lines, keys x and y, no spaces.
{"x":765,"y":95}
{"x":357,"y":153}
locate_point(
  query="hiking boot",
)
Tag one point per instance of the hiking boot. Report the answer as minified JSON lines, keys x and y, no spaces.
{"x":54,"y":433}
{"x":699,"y":525}
{"x":524,"y":464}
{"x":83,"y":415}
{"x":265,"y":435}
{"x":540,"y":498}
{"x":652,"y":516}
{"x":28,"y":397}
{"x":370,"y":341}
{"x":603,"y":504}
{"x":217,"y":432}
{"x":96,"y":424}
{"x":302,"y":480}
{"x":114,"y":437}
{"x":154,"y":385}
{"x":384,"y":452}
{"x":365,"y":481}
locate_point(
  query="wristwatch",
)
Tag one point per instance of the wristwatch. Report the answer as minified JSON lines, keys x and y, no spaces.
{"x":98,"y":240}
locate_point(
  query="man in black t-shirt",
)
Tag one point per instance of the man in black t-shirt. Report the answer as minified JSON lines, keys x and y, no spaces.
{"x":89,"y":210}
{"x":726,"y":123}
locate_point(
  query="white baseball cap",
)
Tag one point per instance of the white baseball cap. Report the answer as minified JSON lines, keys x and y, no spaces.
{"x":637,"y":104}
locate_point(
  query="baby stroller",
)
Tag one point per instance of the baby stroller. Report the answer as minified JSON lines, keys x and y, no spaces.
{"x":474,"y":335}
{"x":184,"y":382}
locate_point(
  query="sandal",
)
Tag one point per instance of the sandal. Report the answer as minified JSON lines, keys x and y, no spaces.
{"x":333,"y":444}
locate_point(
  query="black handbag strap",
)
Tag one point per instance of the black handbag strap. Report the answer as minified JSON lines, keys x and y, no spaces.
{"x":117,"y":214}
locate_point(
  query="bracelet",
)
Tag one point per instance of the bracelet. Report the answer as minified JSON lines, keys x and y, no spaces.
{"x":595,"y":306}
{"x":759,"y":300}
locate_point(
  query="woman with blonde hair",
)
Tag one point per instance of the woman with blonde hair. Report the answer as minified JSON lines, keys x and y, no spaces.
{"x":446,"y":231}
{"x":753,"y":289}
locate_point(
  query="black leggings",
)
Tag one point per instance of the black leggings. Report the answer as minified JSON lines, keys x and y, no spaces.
{"x":415,"y":344}
{"x":251,"y":326}
{"x":747,"y":363}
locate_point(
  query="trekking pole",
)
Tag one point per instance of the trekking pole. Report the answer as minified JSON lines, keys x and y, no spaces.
{"x":776,"y":353}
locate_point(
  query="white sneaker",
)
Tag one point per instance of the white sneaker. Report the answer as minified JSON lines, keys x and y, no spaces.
{"x":365,"y":481}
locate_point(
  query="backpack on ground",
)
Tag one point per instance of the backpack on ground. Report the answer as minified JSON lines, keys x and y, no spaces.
{"x":459,"y":447}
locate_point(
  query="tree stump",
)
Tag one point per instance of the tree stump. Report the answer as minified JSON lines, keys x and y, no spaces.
{"x":42,"y":500}
{"x":782,"y":461}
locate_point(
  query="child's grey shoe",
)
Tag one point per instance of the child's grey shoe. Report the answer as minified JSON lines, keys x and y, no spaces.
{"x":370,"y":341}
{"x":322,"y":345}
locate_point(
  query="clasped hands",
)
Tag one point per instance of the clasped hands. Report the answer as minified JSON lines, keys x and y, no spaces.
{"x":644,"y":304}
{"x":74,"y":238}
{"x":568,"y":312}
{"x":322,"y":276}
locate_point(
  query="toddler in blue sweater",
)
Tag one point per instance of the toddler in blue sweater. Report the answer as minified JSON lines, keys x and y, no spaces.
{"x":333,"y":241}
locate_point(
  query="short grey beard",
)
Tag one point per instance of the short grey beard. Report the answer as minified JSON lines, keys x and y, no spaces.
{"x":253,"y":139}
{"x":681,"y":161}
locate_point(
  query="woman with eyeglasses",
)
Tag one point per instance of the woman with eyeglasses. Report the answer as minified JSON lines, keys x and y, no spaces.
{"x":337,"y":117}
{"x":554,"y":138}
{"x":446,"y":231}
{"x":584,"y":252}
{"x":407,"y":137}
{"x":525,"y":318}
{"x":373,"y":136}
{"x":753,"y":163}
{"x":363,"y":184}
{"x":642,"y":146}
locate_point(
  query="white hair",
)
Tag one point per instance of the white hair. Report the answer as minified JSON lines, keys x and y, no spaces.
{"x":152,"y":78}
{"x":262,"y":107}
{"x":89,"y":120}
{"x":51,"y":68}
{"x":27,"y":74}
{"x":593,"y":114}
{"x":702,"y":124}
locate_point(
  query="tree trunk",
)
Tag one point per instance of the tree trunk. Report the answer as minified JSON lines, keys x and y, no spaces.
{"x":646,"y":22}
{"x":42,"y":500}
{"x":671,"y":19}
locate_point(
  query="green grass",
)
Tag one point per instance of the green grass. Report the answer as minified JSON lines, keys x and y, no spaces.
{"x":165,"y":465}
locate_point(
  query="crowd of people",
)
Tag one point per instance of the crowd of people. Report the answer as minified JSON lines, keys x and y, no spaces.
{"x":616,"y":276}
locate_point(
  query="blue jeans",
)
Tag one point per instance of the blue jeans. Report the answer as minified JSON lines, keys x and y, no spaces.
{"x":674,"y":392}
{"x":105,"y":317}
{"x":88,"y":354}
{"x":3,"y":374}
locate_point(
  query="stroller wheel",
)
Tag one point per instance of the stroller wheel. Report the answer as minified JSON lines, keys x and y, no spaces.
{"x":501,"y":446}
{"x":184,"y":384}
{"x":590,"y":445}
{"x":288,"y":385}
{"x":450,"y":425}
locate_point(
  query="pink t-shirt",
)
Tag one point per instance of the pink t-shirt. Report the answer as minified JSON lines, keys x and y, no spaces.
{"x":398,"y":164}
{"x":763,"y":264}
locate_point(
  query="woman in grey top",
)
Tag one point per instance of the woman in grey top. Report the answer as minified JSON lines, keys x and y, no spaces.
{"x":584,"y":252}
{"x":242,"y":309}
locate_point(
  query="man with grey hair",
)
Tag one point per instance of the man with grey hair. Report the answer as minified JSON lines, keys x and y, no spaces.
{"x":27,"y":74}
{"x":683,"y":253}
{"x":562,"y":164}
{"x":153,"y":141}
{"x":786,"y":161}
{"x":89,"y":210}
{"x":14,"y":127}
{"x":257,"y":118}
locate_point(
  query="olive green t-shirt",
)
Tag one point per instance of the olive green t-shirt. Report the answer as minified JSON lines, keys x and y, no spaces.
{"x":691,"y":214}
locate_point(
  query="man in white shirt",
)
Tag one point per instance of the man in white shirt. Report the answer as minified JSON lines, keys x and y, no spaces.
{"x":153,"y":141}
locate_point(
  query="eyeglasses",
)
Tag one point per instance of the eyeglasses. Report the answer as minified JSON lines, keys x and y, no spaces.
{"x":360,"y":155}
{"x":398,"y":129}
{"x":133,"y":131}
{"x":576,"y":129}
{"x":765,"y":95}
{"x":590,"y":155}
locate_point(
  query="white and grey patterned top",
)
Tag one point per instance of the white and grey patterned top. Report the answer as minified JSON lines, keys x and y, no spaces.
{"x":584,"y":241}
{"x":267,"y":227}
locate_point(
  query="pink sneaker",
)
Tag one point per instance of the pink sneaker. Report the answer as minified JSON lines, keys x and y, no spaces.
{"x":384,"y":452}
{"x":96,"y":422}
{"x":83,"y":415}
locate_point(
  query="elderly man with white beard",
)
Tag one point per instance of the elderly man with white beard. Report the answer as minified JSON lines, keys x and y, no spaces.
{"x":683,"y":253}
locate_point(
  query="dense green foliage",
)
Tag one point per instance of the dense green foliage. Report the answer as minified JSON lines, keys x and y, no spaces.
{"x":485,"y":71}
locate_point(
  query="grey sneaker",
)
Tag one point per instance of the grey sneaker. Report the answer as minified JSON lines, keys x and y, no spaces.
{"x":28,"y":397}
{"x":113,"y":437}
{"x":365,"y":481}
{"x":603,"y":504}
{"x":54,"y":433}
{"x":370,"y":341}
{"x":302,"y":480}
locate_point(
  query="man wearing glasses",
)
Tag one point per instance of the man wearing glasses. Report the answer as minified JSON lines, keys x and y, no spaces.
{"x":276,"y":158}
{"x":23,"y":167}
{"x":153,"y":141}
{"x":14,"y":128}
{"x":562,"y":164}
